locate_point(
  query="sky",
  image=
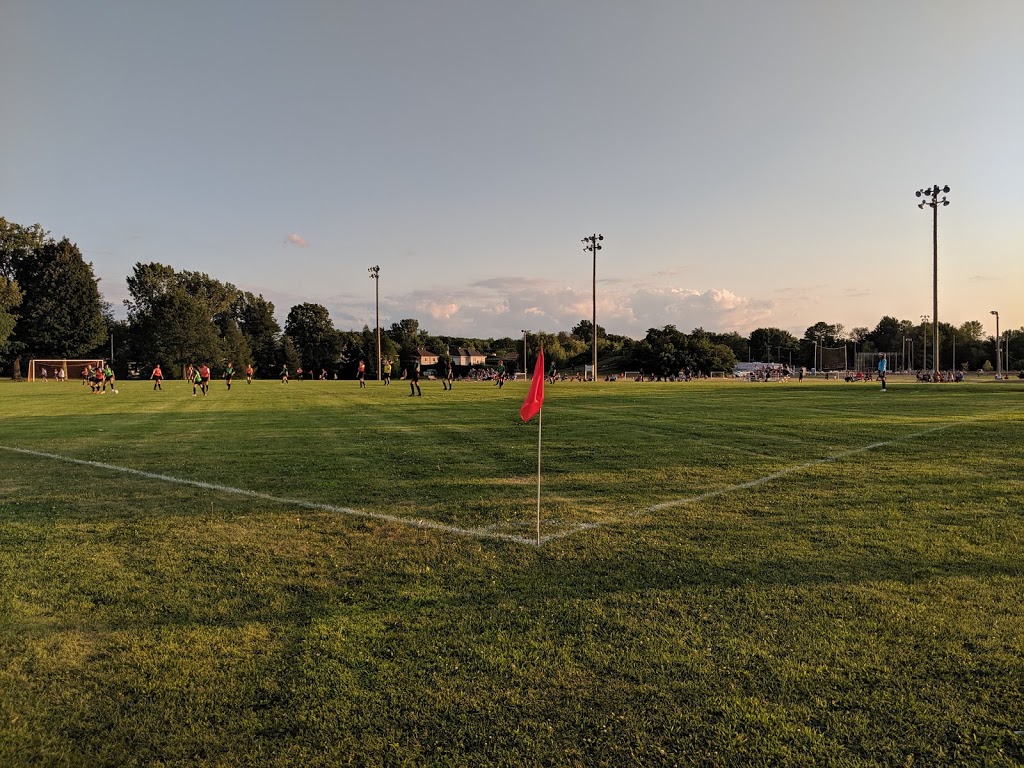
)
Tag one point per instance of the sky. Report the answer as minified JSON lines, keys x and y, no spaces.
{"x":749,"y":164}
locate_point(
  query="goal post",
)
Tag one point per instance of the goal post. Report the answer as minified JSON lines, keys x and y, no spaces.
{"x":71,"y":370}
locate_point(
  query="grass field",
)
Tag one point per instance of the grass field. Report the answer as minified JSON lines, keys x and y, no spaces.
{"x":810,"y":574}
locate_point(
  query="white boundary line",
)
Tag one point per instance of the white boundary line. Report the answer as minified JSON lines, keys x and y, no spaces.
{"x":486,"y":532}
{"x":395,"y":519}
{"x":790,"y":470}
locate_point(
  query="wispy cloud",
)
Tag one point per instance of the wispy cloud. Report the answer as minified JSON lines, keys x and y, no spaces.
{"x":296,"y":239}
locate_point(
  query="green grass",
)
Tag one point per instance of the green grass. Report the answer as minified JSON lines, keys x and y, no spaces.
{"x":732,"y":574}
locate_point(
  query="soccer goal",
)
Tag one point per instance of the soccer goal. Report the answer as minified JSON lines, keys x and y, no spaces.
{"x":59,"y":370}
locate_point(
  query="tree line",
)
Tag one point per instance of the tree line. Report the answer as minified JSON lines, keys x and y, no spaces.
{"x":51,"y":307}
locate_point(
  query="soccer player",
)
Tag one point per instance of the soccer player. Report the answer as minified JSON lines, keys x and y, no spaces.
{"x":387,"y":371}
{"x":43,"y":371}
{"x":157,"y":376}
{"x":204,"y":378}
{"x":284,"y":374}
{"x":446,"y":382}
{"x":361,"y":374}
{"x":108,"y":376}
{"x":196,"y":379}
{"x":881,"y":369}
{"x":414,"y":380}
{"x":229,"y":372}
{"x":248,"y":374}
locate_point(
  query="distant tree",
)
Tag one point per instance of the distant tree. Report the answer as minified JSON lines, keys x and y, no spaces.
{"x":61,"y":311}
{"x":738,"y":344}
{"x":405,"y":333}
{"x":663,"y":351}
{"x":773,"y":344}
{"x":887,"y":336}
{"x":584,"y":331}
{"x":310,"y":328}
{"x":234,"y":347}
{"x":17,"y":243}
{"x":706,"y":357}
{"x":972,"y":330}
{"x":10,"y":298}
{"x":178,"y":318}
{"x":288,"y":354}
{"x":828,"y":335}
{"x":255,"y":318}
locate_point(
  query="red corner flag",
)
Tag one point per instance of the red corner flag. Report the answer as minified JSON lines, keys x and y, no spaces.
{"x":535,"y":397}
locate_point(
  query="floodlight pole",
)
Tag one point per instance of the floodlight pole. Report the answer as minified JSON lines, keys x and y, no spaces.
{"x":934,"y":204}
{"x":526,"y":372}
{"x":999,"y":354}
{"x":593,"y":245}
{"x":375,"y":276}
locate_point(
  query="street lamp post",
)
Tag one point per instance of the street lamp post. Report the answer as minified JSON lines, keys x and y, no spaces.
{"x":526,"y":372}
{"x":934,"y":204}
{"x":375,"y":276}
{"x":593,"y":245}
{"x":999,"y":356}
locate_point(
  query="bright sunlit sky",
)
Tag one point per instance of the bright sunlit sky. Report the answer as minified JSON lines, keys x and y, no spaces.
{"x":748,"y":163}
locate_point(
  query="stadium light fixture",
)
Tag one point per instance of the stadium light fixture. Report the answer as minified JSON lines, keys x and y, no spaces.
{"x":375,"y":276}
{"x":999,"y":358}
{"x":593,"y":245}
{"x":930,"y":197}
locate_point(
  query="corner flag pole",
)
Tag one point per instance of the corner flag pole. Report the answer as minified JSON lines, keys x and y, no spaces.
{"x":532,"y":407}
{"x":540,"y":424}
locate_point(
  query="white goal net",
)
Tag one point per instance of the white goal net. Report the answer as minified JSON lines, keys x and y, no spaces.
{"x":59,"y":370}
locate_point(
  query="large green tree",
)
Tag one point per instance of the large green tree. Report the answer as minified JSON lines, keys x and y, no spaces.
{"x":18,"y":242}
{"x":61,"y":313}
{"x":310,"y":328}
{"x":178,"y":318}
{"x":255,"y":318}
{"x":773,"y":345}
{"x":889,"y":334}
{"x":10,"y":298}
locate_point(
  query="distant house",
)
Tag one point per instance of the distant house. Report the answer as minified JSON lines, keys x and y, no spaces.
{"x":426,"y":357}
{"x":463,"y":356}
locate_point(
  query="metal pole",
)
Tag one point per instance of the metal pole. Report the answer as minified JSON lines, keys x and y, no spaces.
{"x":591,"y":244}
{"x":935,"y":291}
{"x":931,"y":198}
{"x":377,"y":292}
{"x":999,"y":350}
{"x":375,"y":276}
{"x":594,"y":320}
